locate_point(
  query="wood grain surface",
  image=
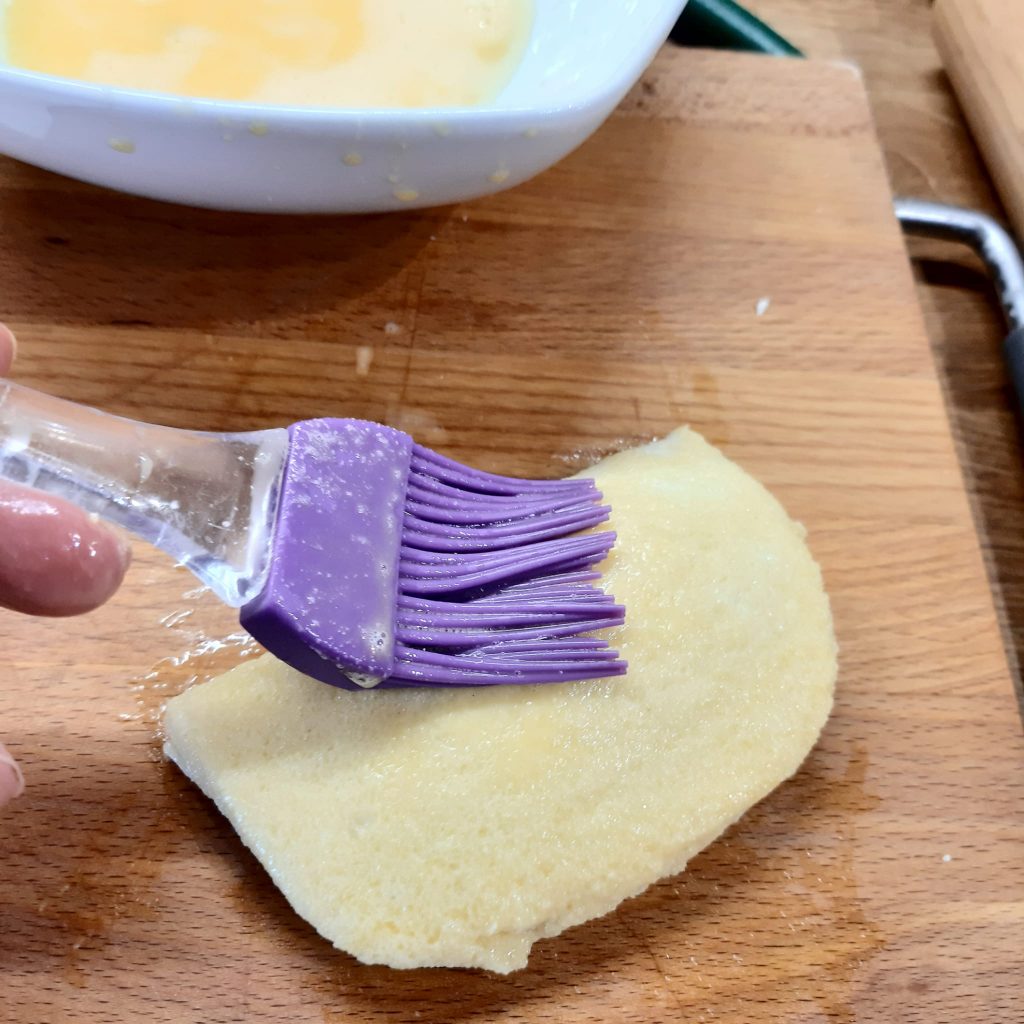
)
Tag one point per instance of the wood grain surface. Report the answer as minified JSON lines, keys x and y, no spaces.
{"x":930,"y":153}
{"x":606,"y":302}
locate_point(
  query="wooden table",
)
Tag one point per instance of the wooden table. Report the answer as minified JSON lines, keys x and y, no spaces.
{"x":929,"y":154}
{"x":606,"y":302}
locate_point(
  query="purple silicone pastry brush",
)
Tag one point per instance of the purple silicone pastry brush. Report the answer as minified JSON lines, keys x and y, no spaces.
{"x":354,"y":554}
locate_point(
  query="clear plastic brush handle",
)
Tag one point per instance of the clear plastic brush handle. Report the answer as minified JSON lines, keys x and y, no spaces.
{"x":208,"y":500}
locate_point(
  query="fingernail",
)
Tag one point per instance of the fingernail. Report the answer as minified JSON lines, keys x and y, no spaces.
{"x":12,"y":782}
{"x":124,"y":550}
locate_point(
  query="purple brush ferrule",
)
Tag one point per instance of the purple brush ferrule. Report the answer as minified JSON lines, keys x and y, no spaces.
{"x":331,"y":593}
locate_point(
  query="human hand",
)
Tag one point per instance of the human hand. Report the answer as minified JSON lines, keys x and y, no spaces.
{"x":55,"y":560}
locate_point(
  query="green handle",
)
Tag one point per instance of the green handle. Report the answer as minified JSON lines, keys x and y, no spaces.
{"x":724,"y":25}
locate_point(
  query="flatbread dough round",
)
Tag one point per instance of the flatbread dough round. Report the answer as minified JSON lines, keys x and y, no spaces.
{"x":455,"y":828}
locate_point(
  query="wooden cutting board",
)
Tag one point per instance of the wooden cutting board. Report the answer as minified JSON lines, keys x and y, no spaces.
{"x":723,"y":254}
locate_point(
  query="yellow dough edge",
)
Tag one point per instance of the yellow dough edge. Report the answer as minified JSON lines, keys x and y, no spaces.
{"x":455,"y":828}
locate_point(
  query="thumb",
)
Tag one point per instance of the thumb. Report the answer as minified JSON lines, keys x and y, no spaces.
{"x":54,"y":558}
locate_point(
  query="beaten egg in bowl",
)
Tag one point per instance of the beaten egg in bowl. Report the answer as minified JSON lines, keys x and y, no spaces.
{"x":343,"y":53}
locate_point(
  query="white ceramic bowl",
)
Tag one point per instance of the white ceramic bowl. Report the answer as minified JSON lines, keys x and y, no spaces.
{"x":583,"y":56}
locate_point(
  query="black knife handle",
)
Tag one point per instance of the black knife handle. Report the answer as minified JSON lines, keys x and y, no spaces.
{"x":1013,"y":352}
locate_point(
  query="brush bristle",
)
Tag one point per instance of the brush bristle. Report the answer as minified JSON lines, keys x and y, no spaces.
{"x":496,"y":582}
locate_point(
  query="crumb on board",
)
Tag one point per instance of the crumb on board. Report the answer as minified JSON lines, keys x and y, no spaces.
{"x":364,"y":359}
